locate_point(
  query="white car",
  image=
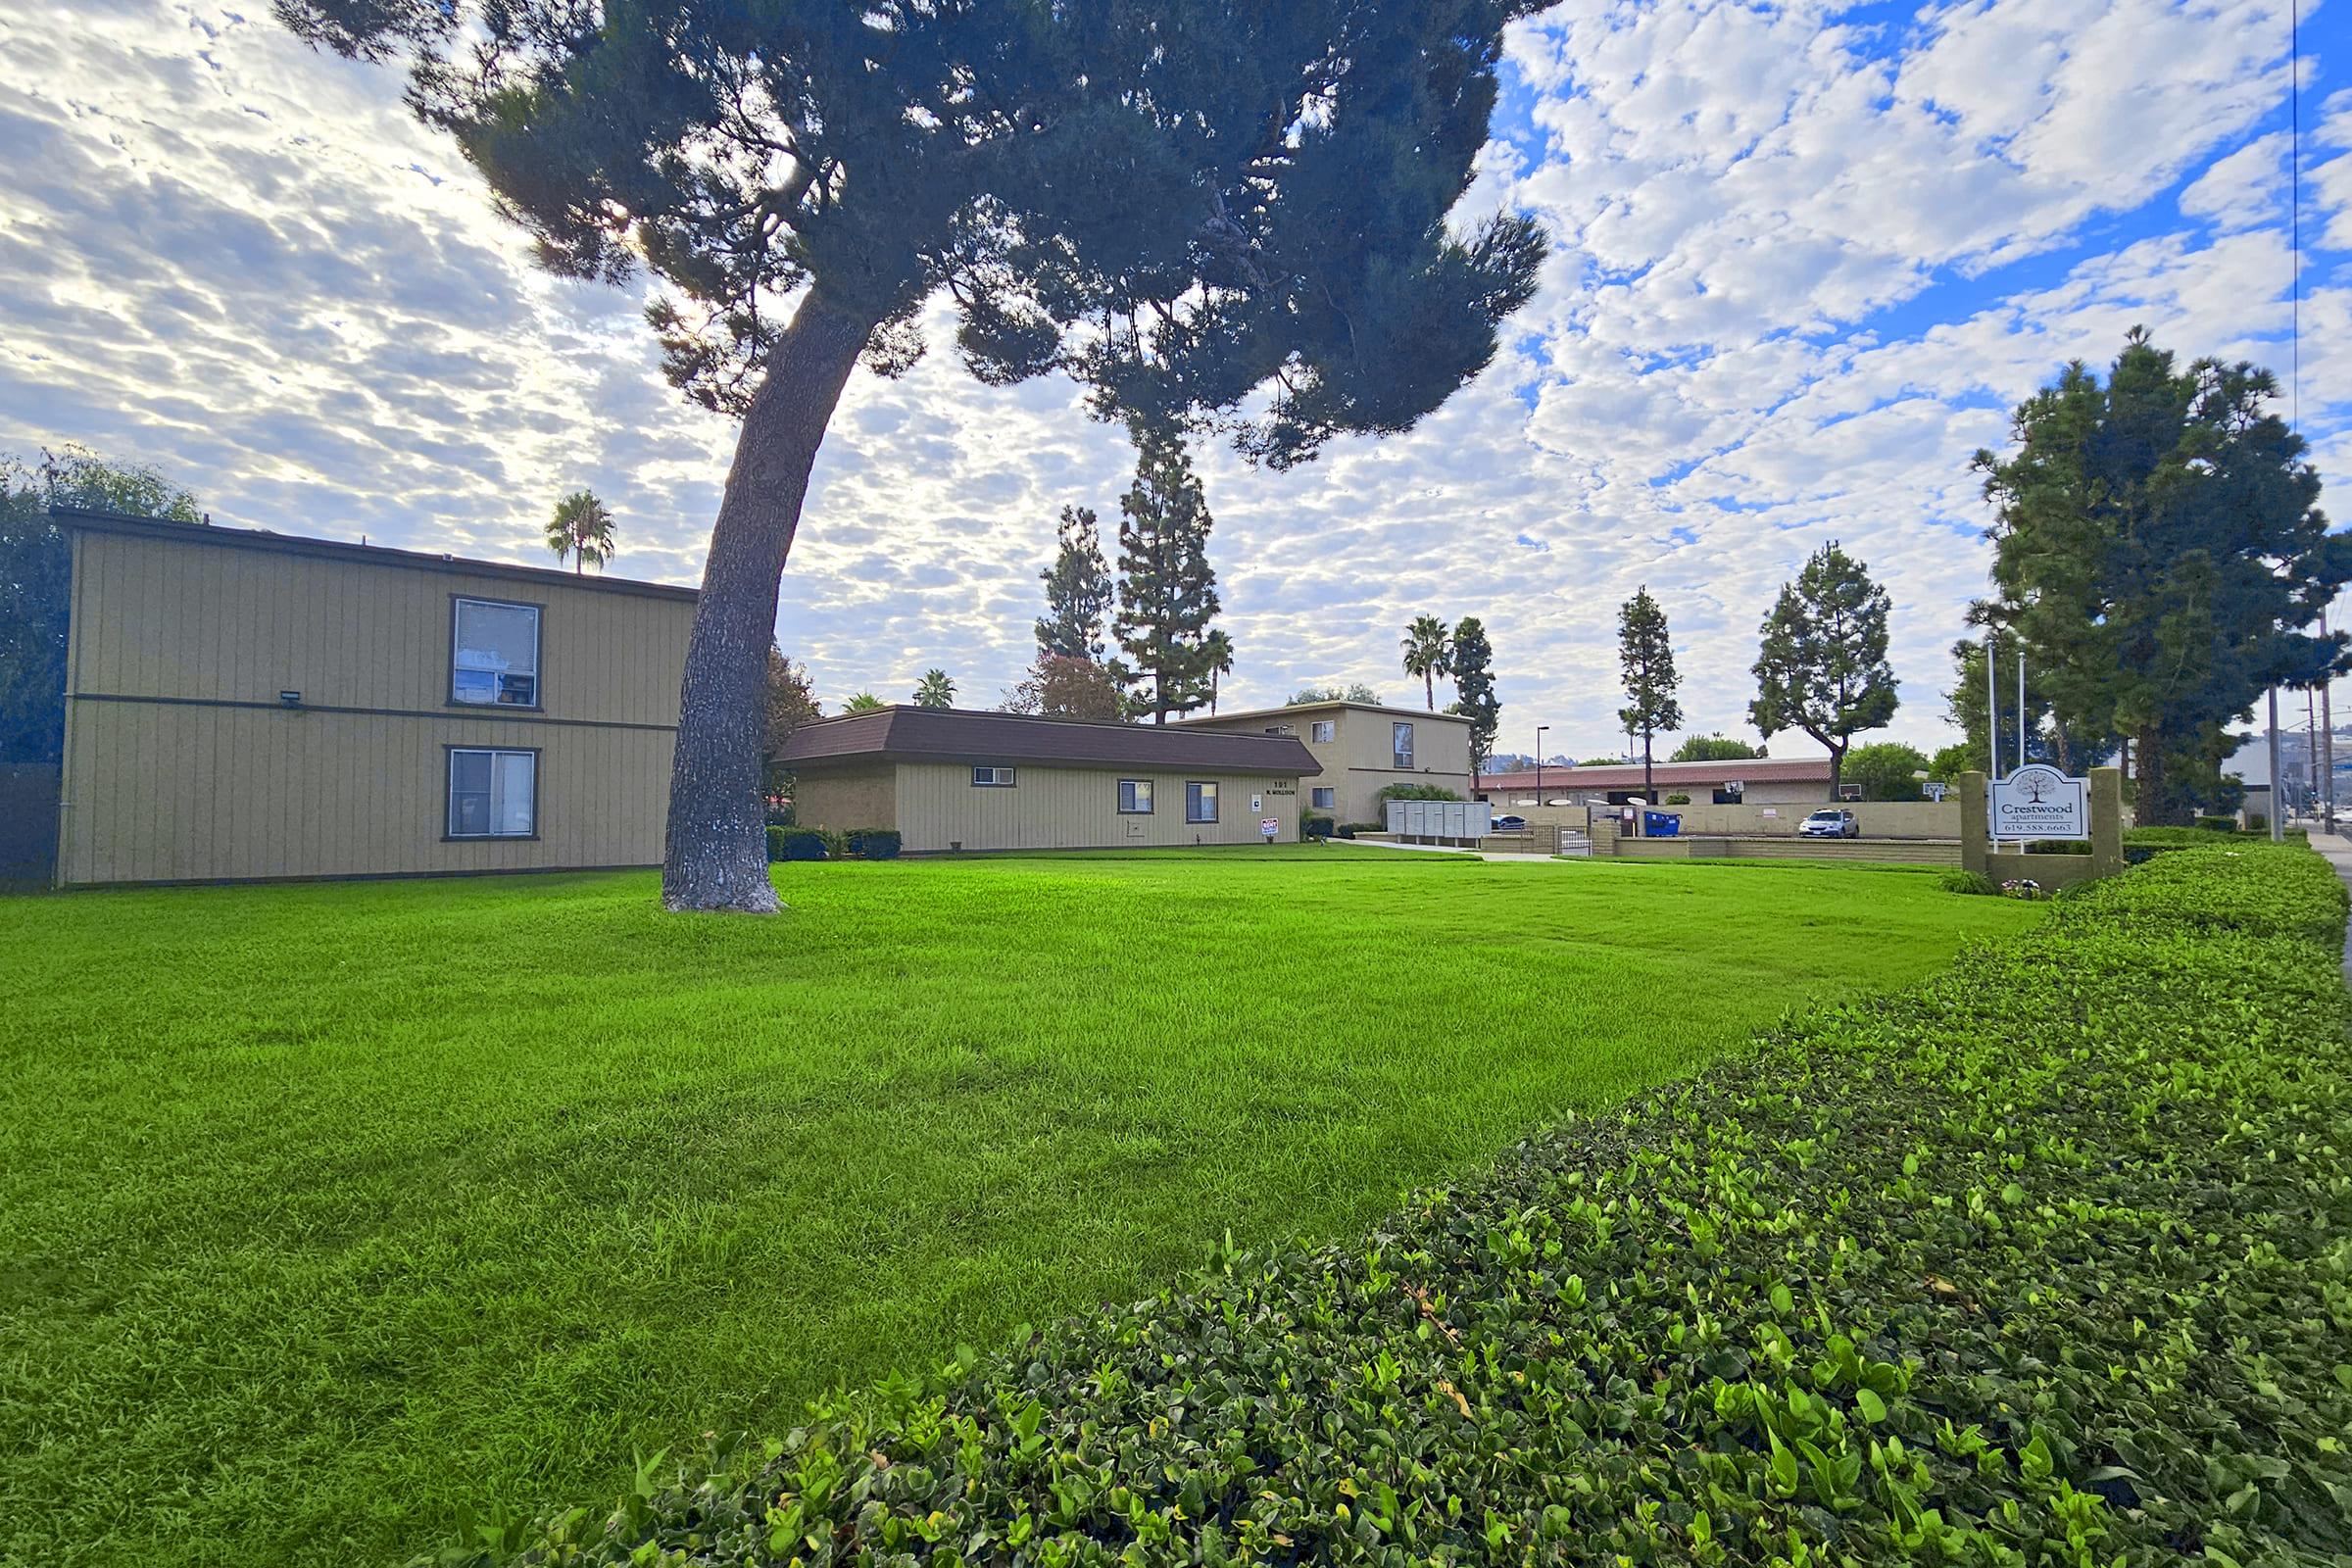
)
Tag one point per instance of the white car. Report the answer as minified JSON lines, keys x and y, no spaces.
{"x":1507,"y":823}
{"x":1830,"y":824}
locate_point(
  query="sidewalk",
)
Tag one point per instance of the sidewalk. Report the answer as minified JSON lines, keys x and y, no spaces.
{"x":2338,"y":851}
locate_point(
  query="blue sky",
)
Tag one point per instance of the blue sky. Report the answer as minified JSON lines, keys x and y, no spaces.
{"x":1805,"y":259}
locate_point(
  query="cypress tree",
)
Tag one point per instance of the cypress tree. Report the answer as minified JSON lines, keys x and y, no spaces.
{"x":1473,"y":665}
{"x":1645,"y":658}
{"x":1167,"y":591}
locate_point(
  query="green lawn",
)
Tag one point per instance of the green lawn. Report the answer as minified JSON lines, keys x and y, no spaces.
{"x":327,"y":1211}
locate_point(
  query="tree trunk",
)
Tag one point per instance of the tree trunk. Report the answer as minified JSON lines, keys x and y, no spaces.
{"x":2157,"y":802}
{"x":1837,"y":770}
{"x":716,"y":857}
{"x":1649,"y":785}
{"x":1429,"y":686}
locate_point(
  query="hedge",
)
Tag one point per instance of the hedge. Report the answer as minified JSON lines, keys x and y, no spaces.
{"x":2048,"y":1260}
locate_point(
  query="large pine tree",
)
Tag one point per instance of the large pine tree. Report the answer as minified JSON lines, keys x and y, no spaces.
{"x":1078,"y":591}
{"x":1168,"y":590}
{"x":1188,"y":208}
{"x":2160,"y":550}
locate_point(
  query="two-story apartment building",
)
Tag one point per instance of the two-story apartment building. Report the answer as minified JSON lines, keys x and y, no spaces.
{"x":243,"y":705}
{"x":1361,"y":748}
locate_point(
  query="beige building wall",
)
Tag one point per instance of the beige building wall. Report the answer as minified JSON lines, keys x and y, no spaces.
{"x":938,"y":808}
{"x":1357,"y":760}
{"x":845,"y":798}
{"x":182,"y":764}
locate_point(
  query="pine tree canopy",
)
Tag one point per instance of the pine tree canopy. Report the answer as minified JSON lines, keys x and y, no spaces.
{"x":2160,"y":552}
{"x":1176,"y":204}
{"x":1078,"y":591}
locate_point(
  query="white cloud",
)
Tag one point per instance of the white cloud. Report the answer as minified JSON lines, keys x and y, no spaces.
{"x":1804,"y":268}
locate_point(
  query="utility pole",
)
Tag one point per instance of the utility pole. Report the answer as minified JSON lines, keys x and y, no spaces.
{"x":1540,"y":730}
{"x":2311,"y":742}
{"x":2277,"y":831}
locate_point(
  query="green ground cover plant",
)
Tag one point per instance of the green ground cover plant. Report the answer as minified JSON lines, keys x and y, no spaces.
{"x":330,"y":1213}
{"x":2047,"y":1260}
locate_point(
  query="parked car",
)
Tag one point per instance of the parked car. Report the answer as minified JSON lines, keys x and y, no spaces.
{"x":1830,"y":824}
{"x":1507,"y":823}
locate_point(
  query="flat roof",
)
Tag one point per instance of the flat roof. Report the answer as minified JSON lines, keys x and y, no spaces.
{"x":901,"y":733}
{"x":87,"y":520}
{"x":1628,"y":775}
{"x":1316,"y":708}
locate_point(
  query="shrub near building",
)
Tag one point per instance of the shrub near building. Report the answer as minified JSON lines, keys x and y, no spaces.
{"x":2048,"y":1260}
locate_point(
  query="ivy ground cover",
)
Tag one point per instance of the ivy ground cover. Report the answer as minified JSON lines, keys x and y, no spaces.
{"x":2045,"y":1262}
{"x":331,"y":1215}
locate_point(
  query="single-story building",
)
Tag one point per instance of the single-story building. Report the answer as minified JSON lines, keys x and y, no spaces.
{"x":1753,"y":781}
{"x":250,"y":706}
{"x":1361,"y":748}
{"x":950,"y":779}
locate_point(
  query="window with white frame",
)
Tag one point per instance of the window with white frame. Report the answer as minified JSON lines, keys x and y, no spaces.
{"x":992,"y":778}
{"x":1199,"y":801}
{"x":493,"y":794}
{"x":1400,"y":742}
{"x":1321,"y":730}
{"x":1323,"y":797}
{"x":1135,"y":797}
{"x":494,"y":653}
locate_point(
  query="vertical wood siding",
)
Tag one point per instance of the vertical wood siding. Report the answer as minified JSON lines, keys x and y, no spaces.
{"x":184,"y":789}
{"x":1062,"y":808}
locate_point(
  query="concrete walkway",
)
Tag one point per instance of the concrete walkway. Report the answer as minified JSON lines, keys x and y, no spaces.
{"x":2338,"y":852}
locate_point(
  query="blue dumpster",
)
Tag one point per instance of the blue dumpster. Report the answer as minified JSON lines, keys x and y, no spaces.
{"x":1661,"y":826}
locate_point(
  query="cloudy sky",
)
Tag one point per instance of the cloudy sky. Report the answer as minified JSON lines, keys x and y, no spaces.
{"x":1805,"y":259}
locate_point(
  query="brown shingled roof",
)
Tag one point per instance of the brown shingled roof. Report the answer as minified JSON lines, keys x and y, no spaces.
{"x":901,"y":734}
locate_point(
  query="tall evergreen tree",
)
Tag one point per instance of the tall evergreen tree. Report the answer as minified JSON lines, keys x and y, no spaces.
{"x":1823,"y":664}
{"x":1474,"y":688}
{"x":1645,"y":659}
{"x":1428,"y":653}
{"x":1167,"y":591}
{"x":2160,"y":550}
{"x":1078,"y":591}
{"x":1176,"y":204}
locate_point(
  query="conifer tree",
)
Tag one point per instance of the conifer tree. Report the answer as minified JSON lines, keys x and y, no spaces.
{"x":1473,"y":666}
{"x":2160,"y":550}
{"x":1078,"y":591}
{"x":1234,"y":211}
{"x":1645,"y":658}
{"x":1168,"y":590}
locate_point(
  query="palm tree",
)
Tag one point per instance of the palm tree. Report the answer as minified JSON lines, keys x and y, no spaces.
{"x":1217,"y":649}
{"x":582,"y":529}
{"x":935,"y":689}
{"x":863,"y":701}
{"x":1428,"y":653}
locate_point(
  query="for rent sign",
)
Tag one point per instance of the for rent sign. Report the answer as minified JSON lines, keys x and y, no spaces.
{"x":2038,"y":802}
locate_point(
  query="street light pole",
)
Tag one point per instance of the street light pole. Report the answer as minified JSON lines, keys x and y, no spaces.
{"x":2278,"y":829}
